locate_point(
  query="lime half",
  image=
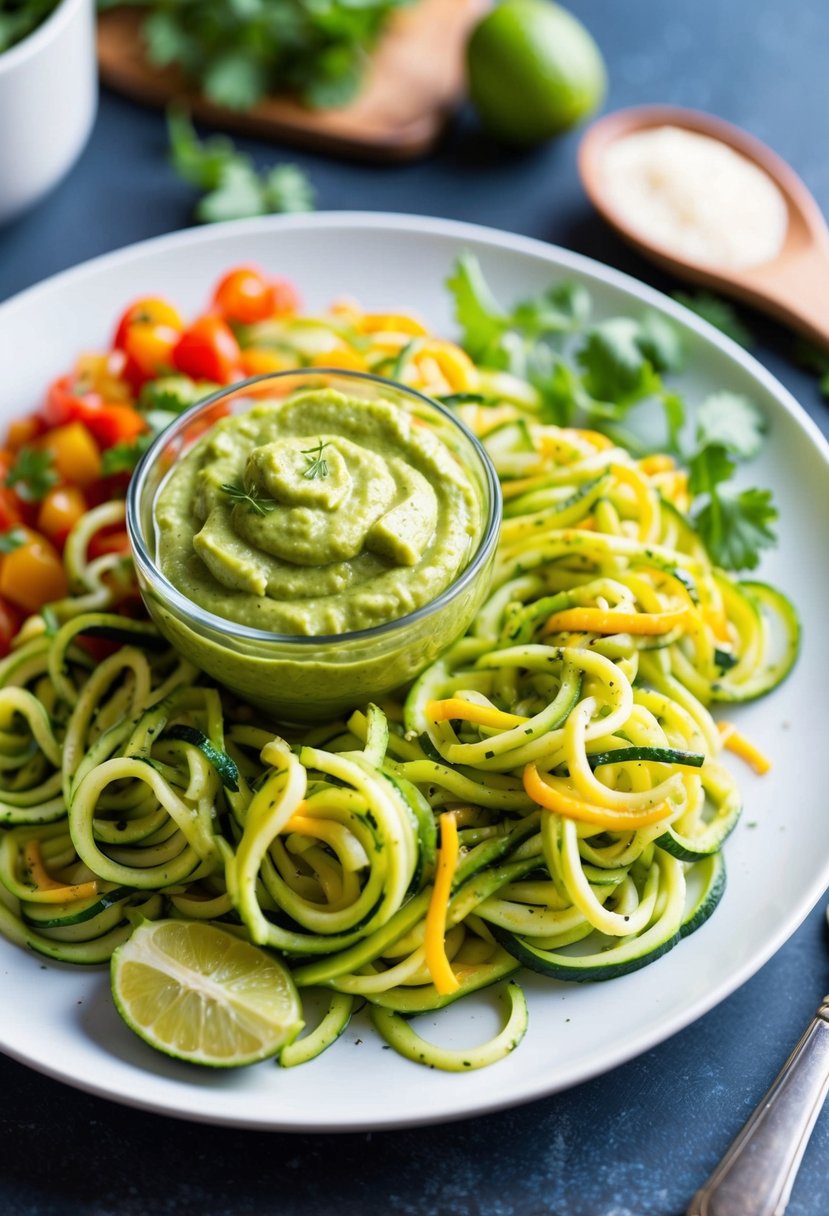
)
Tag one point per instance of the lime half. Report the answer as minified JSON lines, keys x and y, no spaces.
{"x":200,"y":994}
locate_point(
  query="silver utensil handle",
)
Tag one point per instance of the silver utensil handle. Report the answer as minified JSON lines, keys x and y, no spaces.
{"x":755,"y":1176}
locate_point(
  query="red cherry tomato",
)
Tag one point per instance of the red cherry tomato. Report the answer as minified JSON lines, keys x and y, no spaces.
{"x":149,"y":349}
{"x":245,"y":295}
{"x":151,"y":310}
{"x":109,"y":422}
{"x":207,"y":350}
{"x":286,"y":298}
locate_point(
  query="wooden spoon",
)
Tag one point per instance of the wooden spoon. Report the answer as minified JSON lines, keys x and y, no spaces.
{"x":793,"y":286}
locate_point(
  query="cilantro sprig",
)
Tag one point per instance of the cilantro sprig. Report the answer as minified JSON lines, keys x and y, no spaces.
{"x":238,"y":51}
{"x":32,"y":475}
{"x":232,"y":187}
{"x":734,"y":525}
{"x":599,"y":373}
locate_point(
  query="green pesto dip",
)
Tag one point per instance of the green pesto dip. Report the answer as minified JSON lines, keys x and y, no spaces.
{"x":320,"y":514}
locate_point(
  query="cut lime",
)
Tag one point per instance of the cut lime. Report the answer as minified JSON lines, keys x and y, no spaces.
{"x":200,"y":994}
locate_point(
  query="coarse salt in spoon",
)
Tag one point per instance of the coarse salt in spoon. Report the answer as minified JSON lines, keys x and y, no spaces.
{"x":777,"y":258}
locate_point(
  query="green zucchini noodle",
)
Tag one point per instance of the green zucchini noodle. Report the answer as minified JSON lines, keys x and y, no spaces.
{"x":567,"y":739}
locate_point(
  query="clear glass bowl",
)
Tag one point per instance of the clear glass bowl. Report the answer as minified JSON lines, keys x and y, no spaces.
{"x":300,"y":678}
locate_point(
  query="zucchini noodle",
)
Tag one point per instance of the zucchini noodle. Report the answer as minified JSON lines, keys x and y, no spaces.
{"x":565,"y":744}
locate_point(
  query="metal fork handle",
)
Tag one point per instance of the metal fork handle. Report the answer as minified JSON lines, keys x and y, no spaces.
{"x":756,"y":1175}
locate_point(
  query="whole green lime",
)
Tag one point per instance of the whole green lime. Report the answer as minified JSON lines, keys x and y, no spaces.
{"x":534,"y":71}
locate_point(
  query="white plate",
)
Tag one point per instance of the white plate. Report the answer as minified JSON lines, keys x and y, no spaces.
{"x":61,"y":1020}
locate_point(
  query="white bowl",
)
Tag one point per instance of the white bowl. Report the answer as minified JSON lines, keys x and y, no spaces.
{"x":48,"y":97}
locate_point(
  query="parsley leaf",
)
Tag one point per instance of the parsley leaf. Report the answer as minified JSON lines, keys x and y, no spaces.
{"x":32,"y":475}
{"x":722,"y":315}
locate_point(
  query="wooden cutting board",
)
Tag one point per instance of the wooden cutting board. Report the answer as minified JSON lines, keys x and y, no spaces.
{"x":415,"y":79}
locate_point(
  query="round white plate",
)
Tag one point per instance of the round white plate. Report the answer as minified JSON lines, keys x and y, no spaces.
{"x":61,"y":1020}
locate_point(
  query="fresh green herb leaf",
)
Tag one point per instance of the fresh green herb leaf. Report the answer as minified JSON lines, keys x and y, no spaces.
{"x":123,"y":457}
{"x":236,"y":79}
{"x":11,"y":540}
{"x":32,"y":475}
{"x":717,"y":312}
{"x":317,"y":464}
{"x":732,"y":421}
{"x":476,"y":311}
{"x":708,"y":468}
{"x":287,"y":189}
{"x":673,"y":407}
{"x":661,"y":343}
{"x":238,"y":196}
{"x":736,"y":526}
{"x":615,"y":366}
{"x":233,"y":187}
{"x":255,"y":504}
{"x":238,"y":51}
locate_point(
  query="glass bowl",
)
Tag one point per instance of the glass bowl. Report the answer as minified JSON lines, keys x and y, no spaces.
{"x":304,"y":678}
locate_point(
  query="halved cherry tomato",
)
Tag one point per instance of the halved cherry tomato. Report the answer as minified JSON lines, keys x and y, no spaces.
{"x":245,"y":295}
{"x":150,"y":310}
{"x":33,"y":575}
{"x":208,"y":350}
{"x":10,"y":621}
{"x":60,"y":510}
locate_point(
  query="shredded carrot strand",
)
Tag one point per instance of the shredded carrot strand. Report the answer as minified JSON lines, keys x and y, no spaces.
{"x":443,"y":977}
{"x":49,"y":889}
{"x":468,"y":711}
{"x":744,"y":748}
{"x":601,"y":620}
{"x":554,"y":798}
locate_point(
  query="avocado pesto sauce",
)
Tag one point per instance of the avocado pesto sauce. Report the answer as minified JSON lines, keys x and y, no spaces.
{"x":321,"y":514}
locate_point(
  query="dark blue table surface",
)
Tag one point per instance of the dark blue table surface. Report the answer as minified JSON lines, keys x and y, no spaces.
{"x":639,"y":1140}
